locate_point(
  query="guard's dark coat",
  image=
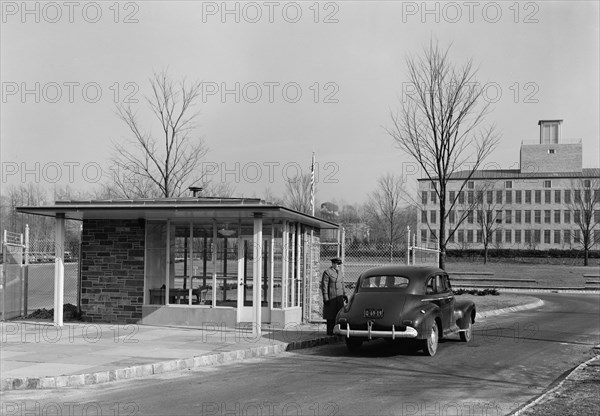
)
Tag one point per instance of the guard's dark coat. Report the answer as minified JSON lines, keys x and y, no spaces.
{"x":332,"y":287}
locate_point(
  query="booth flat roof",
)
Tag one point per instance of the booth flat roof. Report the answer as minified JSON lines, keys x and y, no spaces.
{"x":175,"y":209}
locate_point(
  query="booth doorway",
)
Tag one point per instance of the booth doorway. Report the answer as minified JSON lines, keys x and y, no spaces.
{"x":246,"y":282}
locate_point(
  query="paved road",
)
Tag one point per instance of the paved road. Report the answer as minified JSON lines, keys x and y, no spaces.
{"x":512,"y":359}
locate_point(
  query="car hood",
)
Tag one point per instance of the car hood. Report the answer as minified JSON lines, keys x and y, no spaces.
{"x":394,"y":306}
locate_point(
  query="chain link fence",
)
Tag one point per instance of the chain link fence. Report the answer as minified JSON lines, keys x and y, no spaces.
{"x":358,"y":258}
{"x":40,"y":281}
{"x":11,"y":276}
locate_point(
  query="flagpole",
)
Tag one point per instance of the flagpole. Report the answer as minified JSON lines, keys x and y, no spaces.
{"x":312,"y":185}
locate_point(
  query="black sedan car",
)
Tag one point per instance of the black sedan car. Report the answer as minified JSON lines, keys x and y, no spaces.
{"x":404,"y":302}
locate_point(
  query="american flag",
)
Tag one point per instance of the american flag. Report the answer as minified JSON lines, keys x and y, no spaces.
{"x":312,"y":185}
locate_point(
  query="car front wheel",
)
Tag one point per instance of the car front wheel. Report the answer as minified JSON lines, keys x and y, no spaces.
{"x":467,"y":333}
{"x":430,"y":344}
{"x":353,"y":344}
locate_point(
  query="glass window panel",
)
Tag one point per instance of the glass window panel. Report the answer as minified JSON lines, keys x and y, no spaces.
{"x":156,"y":240}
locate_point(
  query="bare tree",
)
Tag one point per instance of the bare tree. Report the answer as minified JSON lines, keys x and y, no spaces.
{"x":25,"y":195}
{"x":297,"y":193}
{"x":218,"y":189}
{"x":386,"y":206}
{"x":440,"y":125}
{"x":164,"y":163}
{"x":489,"y":216}
{"x":354,"y":220}
{"x":585,"y":211}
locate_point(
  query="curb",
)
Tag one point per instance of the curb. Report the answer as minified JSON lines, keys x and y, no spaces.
{"x":527,"y":306}
{"x":556,"y":388}
{"x":533,"y":289}
{"x":144,"y":370}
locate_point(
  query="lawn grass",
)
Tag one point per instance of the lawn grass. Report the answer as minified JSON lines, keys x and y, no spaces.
{"x":545,"y":275}
{"x":504,"y":300}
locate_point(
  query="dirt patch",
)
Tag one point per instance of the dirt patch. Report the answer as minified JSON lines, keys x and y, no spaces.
{"x":70,"y":313}
{"x":579,"y":394}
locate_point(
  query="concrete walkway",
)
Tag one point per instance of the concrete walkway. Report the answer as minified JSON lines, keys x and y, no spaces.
{"x":38,"y":355}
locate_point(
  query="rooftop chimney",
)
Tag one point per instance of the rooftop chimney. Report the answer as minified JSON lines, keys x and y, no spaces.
{"x":550,"y":131}
{"x":195,"y":190}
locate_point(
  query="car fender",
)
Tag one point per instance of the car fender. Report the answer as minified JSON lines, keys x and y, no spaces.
{"x":423,"y":317}
{"x":464,"y":313}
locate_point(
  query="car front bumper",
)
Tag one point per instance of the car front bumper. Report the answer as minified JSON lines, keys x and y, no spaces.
{"x":409,"y":332}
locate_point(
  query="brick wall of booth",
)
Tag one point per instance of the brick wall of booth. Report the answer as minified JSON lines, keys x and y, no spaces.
{"x":112,"y":270}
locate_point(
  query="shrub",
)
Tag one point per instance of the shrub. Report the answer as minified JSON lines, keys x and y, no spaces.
{"x":477,"y":292}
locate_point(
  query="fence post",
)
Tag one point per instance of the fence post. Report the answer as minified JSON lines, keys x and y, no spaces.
{"x":26,"y":272}
{"x":407,"y":245}
{"x":59,"y":268}
{"x":342,"y":255}
{"x":3,"y":277}
{"x":414,"y":252}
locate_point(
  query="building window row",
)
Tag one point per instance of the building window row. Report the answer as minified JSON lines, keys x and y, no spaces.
{"x":526,"y":236}
{"x":536,"y":216}
{"x":537,"y":196}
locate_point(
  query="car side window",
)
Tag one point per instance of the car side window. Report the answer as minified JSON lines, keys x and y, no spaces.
{"x":447,"y":283}
{"x":430,"y":288}
{"x":439,"y":284}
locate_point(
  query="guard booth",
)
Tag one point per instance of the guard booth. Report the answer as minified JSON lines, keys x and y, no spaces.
{"x":192,"y":261}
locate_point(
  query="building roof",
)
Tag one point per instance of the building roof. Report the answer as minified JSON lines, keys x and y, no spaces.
{"x":517,"y":174}
{"x":549,"y":121}
{"x":174,"y":208}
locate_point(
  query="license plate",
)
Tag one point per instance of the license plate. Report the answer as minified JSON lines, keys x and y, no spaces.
{"x":373,"y":313}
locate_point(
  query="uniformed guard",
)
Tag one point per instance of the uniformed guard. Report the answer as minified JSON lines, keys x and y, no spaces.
{"x":334,"y":293}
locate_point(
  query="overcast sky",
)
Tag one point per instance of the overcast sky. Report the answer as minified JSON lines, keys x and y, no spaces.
{"x":309,"y":76}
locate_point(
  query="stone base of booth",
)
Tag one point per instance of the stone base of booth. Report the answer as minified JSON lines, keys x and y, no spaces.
{"x":220,"y":317}
{"x":283,"y":317}
{"x":185,"y":316}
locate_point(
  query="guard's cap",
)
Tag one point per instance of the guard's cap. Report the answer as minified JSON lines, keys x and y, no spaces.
{"x":336,"y":260}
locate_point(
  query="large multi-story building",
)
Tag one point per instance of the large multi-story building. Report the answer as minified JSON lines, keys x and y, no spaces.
{"x":533,"y":207}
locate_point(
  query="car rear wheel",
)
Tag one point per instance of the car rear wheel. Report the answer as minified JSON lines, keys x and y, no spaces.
{"x":430,"y":344}
{"x":353,"y":344}
{"x":467,"y":333}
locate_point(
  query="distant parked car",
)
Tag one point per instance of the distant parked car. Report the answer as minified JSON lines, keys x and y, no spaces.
{"x":404,"y":303}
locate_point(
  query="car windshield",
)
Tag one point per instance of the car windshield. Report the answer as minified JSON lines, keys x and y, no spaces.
{"x":379,"y":282}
